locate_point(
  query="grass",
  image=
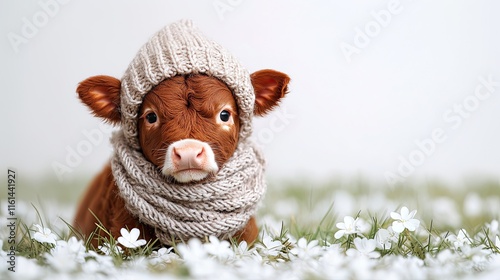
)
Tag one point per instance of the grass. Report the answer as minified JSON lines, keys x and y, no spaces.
{"x":293,"y":210}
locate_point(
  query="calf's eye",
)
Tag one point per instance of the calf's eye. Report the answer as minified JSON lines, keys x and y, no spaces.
{"x":151,"y":117}
{"x":224,"y":115}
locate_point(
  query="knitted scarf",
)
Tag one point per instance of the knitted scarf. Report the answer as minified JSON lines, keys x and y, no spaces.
{"x":220,"y":206}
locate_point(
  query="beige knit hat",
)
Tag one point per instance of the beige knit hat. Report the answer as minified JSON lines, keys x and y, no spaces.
{"x":180,"y":49}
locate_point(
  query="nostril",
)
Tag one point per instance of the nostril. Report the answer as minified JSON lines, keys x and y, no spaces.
{"x":201,"y":153}
{"x":176,"y":154}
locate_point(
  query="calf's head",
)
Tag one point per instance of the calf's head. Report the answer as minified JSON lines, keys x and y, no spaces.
{"x":188,"y":125}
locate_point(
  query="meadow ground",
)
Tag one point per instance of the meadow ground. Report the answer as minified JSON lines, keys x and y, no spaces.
{"x":340,"y":229}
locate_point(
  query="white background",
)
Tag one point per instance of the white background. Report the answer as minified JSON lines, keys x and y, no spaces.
{"x":350,"y":118}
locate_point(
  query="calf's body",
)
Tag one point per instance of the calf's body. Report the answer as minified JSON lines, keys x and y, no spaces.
{"x":102,"y":200}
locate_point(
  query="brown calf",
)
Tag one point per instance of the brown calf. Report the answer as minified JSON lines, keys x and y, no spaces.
{"x":188,"y":128}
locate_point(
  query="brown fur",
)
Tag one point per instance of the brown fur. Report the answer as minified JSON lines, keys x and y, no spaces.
{"x":270,"y":86}
{"x":102,"y":95}
{"x":187,"y":107}
{"x":193,"y":103}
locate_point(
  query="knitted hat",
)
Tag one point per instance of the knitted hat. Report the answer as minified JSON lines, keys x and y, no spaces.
{"x":180,"y":49}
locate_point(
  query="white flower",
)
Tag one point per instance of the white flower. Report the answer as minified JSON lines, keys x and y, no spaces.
{"x":385,"y":238}
{"x":44,"y":235}
{"x":347,"y":227}
{"x":197,"y":259}
{"x":305,"y":250}
{"x":163,"y":252}
{"x":268,"y":247}
{"x":497,"y":242}
{"x":364,"y":247}
{"x":474,"y":252}
{"x":107,"y":249}
{"x":193,"y":251}
{"x":272,"y":226}
{"x":382,"y":237}
{"x":163,"y":256}
{"x":63,"y":259}
{"x":404,"y":220}
{"x":460,"y":239}
{"x":219,"y":249}
{"x":242,"y":251}
{"x":362,"y":226}
{"x":106,"y":263}
{"x":73,"y":246}
{"x":129,"y":239}
{"x":137,"y":262}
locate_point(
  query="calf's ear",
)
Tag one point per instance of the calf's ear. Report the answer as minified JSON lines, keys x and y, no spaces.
{"x":102,"y":95}
{"x":270,"y":86}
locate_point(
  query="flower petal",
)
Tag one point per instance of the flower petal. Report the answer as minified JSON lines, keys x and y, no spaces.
{"x":404,"y":213}
{"x":39,"y":227}
{"x":313,"y":243}
{"x":373,"y":255}
{"x":370,"y":245}
{"x":339,"y":234}
{"x":382,"y":236}
{"x":302,"y":243}
{"x":124,"y":232}
{"x":348,"y":220}
{"x":243,"y":246}
{"x":395,"y":216}
{"x":134,"y":234}
{"x":398,"y":226}
{"x":38,"y":237}
{"x":412,"y":224}
{"x":123,"y":241}
{"x":358,"y":242}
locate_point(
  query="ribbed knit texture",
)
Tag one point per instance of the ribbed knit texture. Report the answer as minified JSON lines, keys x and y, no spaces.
{"x":181,"y":49}
{"x":220,"y":206}
{"x":223,"y":204}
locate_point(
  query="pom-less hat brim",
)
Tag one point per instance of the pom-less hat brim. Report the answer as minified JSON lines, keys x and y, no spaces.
{"x":181,"y":49}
